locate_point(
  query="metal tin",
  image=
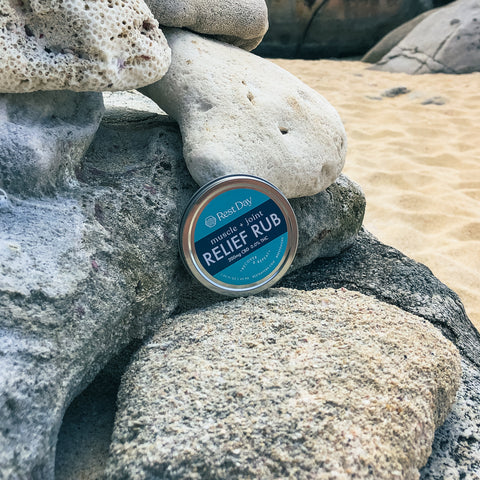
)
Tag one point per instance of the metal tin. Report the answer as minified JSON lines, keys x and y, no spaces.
{"x":238,"y":235}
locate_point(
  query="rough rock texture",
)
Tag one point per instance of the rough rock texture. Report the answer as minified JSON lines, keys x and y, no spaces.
{"x":322,"y":384}
{"x":381,"y":271}
{"x":378,"y":270}
{"x":335,"y":28}
{"x":447,"y":41}
{"x":80,"y":45}
{"x":86,"y":272}
{"x":239,"y":113}
{"x":241,"y":23}
{"x":393,"y":38}
{"x":43,"y":136}
{"x":81,"y":275}
{"x":456,"y":449}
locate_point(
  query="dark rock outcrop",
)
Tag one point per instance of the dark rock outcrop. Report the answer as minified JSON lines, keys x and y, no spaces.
{"x":335,"y":28}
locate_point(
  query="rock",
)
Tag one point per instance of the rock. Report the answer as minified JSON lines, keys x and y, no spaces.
{"x":391,"y":39}
{"x":447,"y":41}
{"x":84,"y":437}
{"x":321,"y":384}
{"x":435,"y":101}
{"x":381,"y":271}
{"x":376,"y":269}
{"x":456,"y":449}
{"x":316,"y":28}
{"x":79,"y":45}
{"x":395,"y":92}
{"x":241,"y":23}
{"x":44,"y":135}
{"x":85,"y":273}
{"x":239,"y":113}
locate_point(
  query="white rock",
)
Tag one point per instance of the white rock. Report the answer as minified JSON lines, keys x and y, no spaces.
{"x":239,"y":113}
{"x":80,"y":45}
{"x":241,"y":23}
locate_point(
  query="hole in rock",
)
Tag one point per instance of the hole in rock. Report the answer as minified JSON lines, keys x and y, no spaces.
{"x":147,"y":26}
{"x":283,"y":130}
{"x":28,"y":31}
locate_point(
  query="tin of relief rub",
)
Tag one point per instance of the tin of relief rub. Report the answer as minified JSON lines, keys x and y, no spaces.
{"x":238,"y":235}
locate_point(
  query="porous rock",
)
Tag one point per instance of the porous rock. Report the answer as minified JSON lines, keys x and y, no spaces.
{"x":446,"y":41}
{"x":86,"y":272}
{"x":80,"y":45}
{"x":379,"y":270}
{"x":321,"y":384}
{"x":239,"y":113}
{"x":44,"y":135}
{"x":241,"y":23}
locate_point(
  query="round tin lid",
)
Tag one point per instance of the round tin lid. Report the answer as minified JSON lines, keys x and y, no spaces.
{"x":238,"y":235}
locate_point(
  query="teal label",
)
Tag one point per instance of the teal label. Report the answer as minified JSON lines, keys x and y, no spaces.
{"x":241,"y":237}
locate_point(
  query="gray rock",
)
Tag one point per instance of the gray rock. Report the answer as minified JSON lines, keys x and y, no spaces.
{"x":393,"y":38}
{"x":81,"y":275}
{"x":239,"y":113}
{"x":316,"y":28}
{"x":4,"y":201}
{"x":395,"y":92}
{"x":456,"y":449}
{"x":321,"y":384}
{"x":241,"y":23}
{"x":447,"y":41}
{"x":381,"y":271}
{"x":43,"y":136}
{"x":87,"y":272}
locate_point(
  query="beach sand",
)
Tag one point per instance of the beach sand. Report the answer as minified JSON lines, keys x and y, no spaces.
{"x":417,"y":158}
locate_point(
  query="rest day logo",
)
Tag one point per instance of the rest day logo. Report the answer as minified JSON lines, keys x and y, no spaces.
{"x":210,"y":221}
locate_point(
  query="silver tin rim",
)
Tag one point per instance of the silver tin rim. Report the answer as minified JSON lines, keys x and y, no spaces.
{"x":193,"y":211}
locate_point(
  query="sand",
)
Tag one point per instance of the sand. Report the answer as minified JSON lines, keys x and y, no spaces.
{"x":417,"y":158}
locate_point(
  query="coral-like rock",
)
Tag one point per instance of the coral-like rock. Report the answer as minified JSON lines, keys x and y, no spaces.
{"x":80,"y":45}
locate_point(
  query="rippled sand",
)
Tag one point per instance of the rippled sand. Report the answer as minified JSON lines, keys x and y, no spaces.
{"x":417,"y":157}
